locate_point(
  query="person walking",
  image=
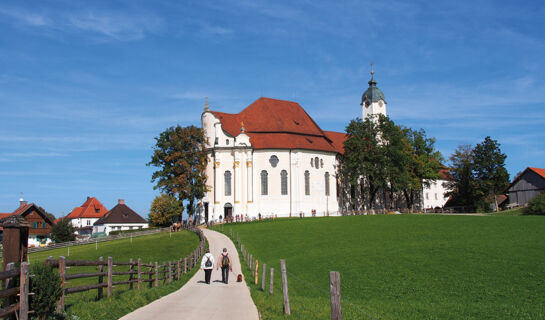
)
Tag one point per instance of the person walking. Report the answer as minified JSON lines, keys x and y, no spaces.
{"x":207,"y":264}
{"x":224,"y":261}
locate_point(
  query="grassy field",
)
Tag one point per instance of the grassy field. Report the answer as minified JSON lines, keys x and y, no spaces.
{"x":404,"y":267}
{"x":160,"y":247}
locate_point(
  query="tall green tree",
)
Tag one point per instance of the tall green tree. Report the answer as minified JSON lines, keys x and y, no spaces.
{"x":364,"y":158}
{"x":180,"y":156}
{"x":424,"y":165}
{"x":164,"y":210}
{"x":462,"y":185}
{"x":491,"y":177}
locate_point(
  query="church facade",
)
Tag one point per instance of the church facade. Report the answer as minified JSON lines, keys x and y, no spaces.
{"x":272,"y":158}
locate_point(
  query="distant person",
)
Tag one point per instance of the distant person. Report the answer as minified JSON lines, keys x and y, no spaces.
{"x":220,"y":218}
{"x":224,"y":261}
{"x":207,"y":264}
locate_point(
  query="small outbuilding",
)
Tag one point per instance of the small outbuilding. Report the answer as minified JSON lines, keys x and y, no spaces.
{"x":527,"y":185}
{"x":121,"y":217}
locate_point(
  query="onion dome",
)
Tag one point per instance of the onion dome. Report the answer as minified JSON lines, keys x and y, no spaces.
{"x":372,"y":94}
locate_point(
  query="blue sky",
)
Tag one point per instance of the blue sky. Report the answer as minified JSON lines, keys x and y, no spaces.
{"x":86,"y":86}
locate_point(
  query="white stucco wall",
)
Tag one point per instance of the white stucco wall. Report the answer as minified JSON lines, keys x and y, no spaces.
{"x":107,"y":228}
{"x":234,"y":154}
{"x":434,"y":195}
{"x":83,"y":222}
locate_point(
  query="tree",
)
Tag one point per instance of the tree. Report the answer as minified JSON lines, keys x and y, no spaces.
{"x":462,"y":186}
{"x":364,"y":158}
{"x":48,"y":214}
{"x":164,"y":210}
{"x":424,"y":164}
{"x":180,"y":155}
{"x":63,"y":231}
{"x":491,"y":177}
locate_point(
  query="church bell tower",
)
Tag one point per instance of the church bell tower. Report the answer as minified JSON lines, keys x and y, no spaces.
{"x":372,"y":101}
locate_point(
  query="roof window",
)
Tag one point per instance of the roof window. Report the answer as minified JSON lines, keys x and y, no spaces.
{"x":296,"y":122}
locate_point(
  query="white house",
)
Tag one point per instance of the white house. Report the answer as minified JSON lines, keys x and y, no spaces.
{"x":82,"y":218}
{"x":121,"y":217}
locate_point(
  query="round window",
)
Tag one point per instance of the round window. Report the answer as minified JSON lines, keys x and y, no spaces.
{"x":273,"y":161}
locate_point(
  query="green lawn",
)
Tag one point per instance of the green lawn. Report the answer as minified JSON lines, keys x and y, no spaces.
{"x":404,"y":266}
{"x":161,"y":247}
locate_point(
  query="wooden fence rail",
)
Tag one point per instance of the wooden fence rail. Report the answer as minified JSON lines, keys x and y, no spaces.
{"x":158,"y":273}
{"x":16,"y":298}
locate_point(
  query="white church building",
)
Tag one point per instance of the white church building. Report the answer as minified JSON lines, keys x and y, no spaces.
{"x":273,"y":159}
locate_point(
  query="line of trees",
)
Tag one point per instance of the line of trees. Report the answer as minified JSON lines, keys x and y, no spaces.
{"x":382,"y":157}
{"x":478,"y":174}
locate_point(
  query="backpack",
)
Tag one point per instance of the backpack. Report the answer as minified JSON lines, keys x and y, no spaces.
{"x":208,"y":263}
{"x":225,"y":260}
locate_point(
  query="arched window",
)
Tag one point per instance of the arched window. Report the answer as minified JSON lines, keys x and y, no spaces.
{"x":227,"y":176}
{"x":327,"y":183}
{"x":307,"y":183}
{"x":316,"y":163}
{"x":264,"y":183}
{"x":284,"y":182}
{"x":273,"y":161}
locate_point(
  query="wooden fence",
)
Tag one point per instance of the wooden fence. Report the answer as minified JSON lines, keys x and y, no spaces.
{"x":16,"y":298}
{"x":136,"y":274}
{"x":253,"y":266}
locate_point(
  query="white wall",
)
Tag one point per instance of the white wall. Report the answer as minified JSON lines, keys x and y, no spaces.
{"x":434,"y":195}
{"x":83,"y":222}
{"x":117,"y":226}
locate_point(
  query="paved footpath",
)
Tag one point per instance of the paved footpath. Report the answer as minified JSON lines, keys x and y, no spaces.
{"x":198,"y":300}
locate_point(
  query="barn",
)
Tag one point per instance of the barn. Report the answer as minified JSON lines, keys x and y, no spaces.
{"x":527,"y":185}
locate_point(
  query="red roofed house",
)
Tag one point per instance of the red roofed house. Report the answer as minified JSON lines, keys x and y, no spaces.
{"x":271,"y":158}
{"x":40,"y":224}
{"x":527,"y":185}
{"x":83,"y":218}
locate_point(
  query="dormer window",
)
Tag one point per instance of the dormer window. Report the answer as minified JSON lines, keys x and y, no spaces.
{"x":217,"y":141}
{"x":227,"y":141}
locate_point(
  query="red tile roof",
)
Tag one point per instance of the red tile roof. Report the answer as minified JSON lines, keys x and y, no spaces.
{"x":92,"y":208}
{"x":337,"y":139}
{"x":277,"y":124}
{"x":539,"y":171}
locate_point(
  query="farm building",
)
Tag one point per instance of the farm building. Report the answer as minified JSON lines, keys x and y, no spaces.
{"x":121,"y":217}
{"x":526,"y":186}
{"x":82,"y":218}
{"x":40,"y":224}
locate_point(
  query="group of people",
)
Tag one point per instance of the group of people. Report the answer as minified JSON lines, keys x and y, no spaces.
{"x":224,"y":262}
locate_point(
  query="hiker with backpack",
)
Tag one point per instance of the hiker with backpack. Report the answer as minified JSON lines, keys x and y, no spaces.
{"x":224,"y":261}
{"x":207,"y":264}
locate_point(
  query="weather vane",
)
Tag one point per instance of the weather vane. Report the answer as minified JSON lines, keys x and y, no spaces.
{"x":206,"y":108}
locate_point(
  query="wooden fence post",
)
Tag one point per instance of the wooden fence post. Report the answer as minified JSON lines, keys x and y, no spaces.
{"x":110,"y":276}
{"x":62,"y":272}
{"x":169,"y":272}
{"x":156,"y":274}
{"x":256,"y":275}
{"x":179,"y":270}
{"x":150,"y":271}
{"x":271,"y":285}
{"x":100,"y":278}
{"x":10,"y":283}
{"x":131,"y":269}
{"x":185,"y":265}
{"x":285,"y":286}
{"x":335,"y":292}
{"x":139,"y":274}
{"x":23,"y":291}
{"x":263,"y":277}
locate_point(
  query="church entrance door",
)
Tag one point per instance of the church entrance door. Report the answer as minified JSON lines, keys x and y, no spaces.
{"x":227,"y":211}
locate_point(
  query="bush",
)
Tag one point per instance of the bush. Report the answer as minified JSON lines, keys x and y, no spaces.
{"x":46,"y":285}
{"x":536,"y":205}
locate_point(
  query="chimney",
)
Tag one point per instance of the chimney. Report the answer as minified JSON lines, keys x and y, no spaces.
{"x":120,"y":201}
{"x":22,"y":202}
